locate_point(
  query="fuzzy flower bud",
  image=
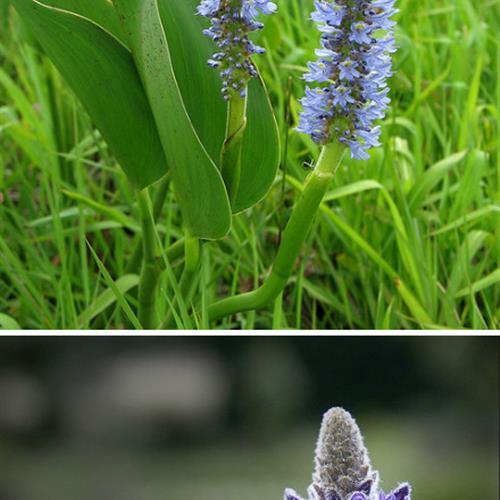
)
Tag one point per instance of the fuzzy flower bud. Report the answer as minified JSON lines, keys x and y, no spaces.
{"x":231,"y":23}
{"x":353,"y":65}
{"x":341,"y":460}
{"x":342,"y":468}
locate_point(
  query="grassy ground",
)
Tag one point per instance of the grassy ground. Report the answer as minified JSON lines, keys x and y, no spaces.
{"x":411,"y":229}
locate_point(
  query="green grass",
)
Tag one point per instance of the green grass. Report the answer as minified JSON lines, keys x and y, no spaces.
{"x":404,"y":240}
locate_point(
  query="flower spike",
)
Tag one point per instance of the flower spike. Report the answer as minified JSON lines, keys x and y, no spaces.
{"x":353,"y":65}
{"x":231,"y":23}
{"x":342,"y":468}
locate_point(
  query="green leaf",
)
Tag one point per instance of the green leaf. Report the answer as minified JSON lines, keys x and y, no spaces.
{"x":116,"y":290}
{"x":200,"y":88}
{"x":432,"y":176}
{"x":110,"y":212}
{"x":8,"y":323}
{"x":197,"y":182}
{"x":101,"y":12}
{"x":408,"y":297}
{"x":260,"y":153}
{"x":471,"y":217}
{"x":4,"y":11}
{"x":350,"y":189}
{"x":460,"y":270}
{"x":101,"y":72}
{"x":108,"y":298}
{"x":490,"y":280}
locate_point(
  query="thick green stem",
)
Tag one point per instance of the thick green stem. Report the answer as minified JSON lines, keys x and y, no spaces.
{"x":231,"y":151}
{"x":150,"y":273}
{"x":292,"y":240}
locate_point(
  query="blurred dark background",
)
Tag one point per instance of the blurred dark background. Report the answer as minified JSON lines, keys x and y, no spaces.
{"x":237,"y":418}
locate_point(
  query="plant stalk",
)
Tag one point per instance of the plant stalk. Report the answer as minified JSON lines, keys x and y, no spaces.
{"x":292,"y":240}
{"x":231,"y":150}
{"x":150,"y":273}
{"x":158,"y":202}
{"x":188,"y":277}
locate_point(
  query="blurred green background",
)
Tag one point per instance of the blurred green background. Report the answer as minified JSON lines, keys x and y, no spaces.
{"x":237,"y":418}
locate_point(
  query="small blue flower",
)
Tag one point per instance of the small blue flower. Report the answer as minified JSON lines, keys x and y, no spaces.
{"x":231,"y":23}
{"x":352,"y":69}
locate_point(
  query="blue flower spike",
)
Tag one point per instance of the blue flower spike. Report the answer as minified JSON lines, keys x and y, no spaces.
{"x":342,"y":467}
{"x":354,"y":63}
{"x":232,"y":21}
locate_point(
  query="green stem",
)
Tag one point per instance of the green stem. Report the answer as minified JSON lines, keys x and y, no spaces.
{"x":150,"y":273}
{"x":158,"y":202}
{"x":191,"y":253}
{"x":292,"y":240}
{"x":188,"y":277}
{"x":231,"y":151}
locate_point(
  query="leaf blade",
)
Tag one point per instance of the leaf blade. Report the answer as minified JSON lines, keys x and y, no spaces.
{"x":101,"y":12}
{"x":95,"y":65}
{"x":197,"y":182}
{"x":200,"y":88}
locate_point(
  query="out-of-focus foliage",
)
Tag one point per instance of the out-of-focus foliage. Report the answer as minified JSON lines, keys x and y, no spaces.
{"x":238,"y":417}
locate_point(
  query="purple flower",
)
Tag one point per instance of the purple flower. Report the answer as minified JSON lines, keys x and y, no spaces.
{"x":231,"y":23}
{"x":342,"y":468}
{"x":352,"y":69}
{"x":402,"y":492}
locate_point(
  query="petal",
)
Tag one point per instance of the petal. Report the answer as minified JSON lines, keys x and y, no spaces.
{"x":402,"y":492}
{"x":291,"y":495}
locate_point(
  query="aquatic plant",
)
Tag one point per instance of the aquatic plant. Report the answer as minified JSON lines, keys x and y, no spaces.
{"x":342,"y":468}
{"x":354,"y":65}
{"x":352,"y":70}
{"x":144,"y":72}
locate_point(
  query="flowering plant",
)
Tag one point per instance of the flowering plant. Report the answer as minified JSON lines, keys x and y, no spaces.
{"x":342,"y":467}
{"x":352,"y":71}
{"x":144,"y":70}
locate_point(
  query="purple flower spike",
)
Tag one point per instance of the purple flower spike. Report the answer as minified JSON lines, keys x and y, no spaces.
{"x":231,"y":23}
{"x":352,"y":70}
{"x":342,"y":467}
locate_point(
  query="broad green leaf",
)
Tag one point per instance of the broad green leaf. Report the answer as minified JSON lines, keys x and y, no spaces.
{"x":197,"y":182}
{"x":260,"y":153}
{"x":102,"y":74}
{"x":200,"y":87}
{"x":100,"y":12}
{"x":198,"y":83}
